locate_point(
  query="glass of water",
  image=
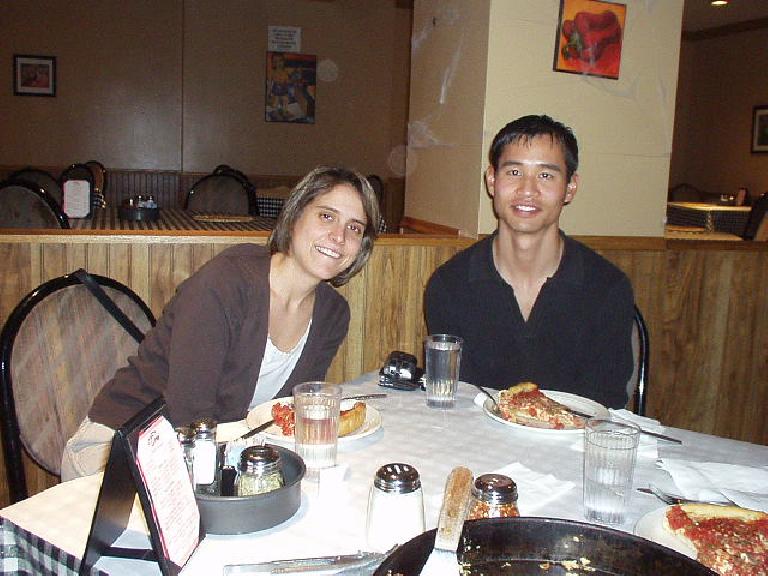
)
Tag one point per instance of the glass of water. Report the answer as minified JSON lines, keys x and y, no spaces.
{"x":316,"y":405}
{"x":443,"y":360}
{"x":610,"y":453}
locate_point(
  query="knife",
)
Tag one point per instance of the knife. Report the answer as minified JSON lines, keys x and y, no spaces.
{"x":268,"y":423}
{"x":321,"y":563}
{"x":642,"y":430}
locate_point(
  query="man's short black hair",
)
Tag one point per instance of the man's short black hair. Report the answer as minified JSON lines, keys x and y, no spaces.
{"x":527,"y":128}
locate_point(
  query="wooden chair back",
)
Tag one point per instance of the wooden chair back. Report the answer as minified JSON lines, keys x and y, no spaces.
{"x":221,"y":194}
{"x":24,"y":204}
{"x":57,"y":349}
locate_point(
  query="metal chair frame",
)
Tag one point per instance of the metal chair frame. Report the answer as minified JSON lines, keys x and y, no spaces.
{"x":12,"y":443}
{"x":237,"y":176}
{"x":643,"y":364}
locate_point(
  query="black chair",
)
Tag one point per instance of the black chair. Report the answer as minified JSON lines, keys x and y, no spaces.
{"x":100,"y":183}
{"x":43,"y":179}
{"x":226,"y":169}
{"x":58,"y":347}
{"x":756,"y":217}
{"x":221,"y":194}
{"x":23,"y":204}
{"x":641,"y":348}
{"x":378,"y":188}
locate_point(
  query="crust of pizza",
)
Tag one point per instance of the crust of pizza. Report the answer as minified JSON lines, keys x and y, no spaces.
{"x":352,"y":419}
{"x":697,"y":512}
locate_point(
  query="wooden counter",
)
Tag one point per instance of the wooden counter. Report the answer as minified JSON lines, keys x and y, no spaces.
{"x":705,"y":304}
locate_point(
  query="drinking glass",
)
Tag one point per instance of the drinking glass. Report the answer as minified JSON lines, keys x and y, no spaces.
{"x":443,"y":359}
{"x":316,"y":405}
{"x":610,"y":453}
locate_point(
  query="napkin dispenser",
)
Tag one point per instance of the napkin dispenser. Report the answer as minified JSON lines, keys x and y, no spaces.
{"x":400,"y":372}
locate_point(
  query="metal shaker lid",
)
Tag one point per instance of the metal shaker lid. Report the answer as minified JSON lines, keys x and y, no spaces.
{"x":259,"y":459}
{"x":398,"y":478}
{"x":495,"y":489}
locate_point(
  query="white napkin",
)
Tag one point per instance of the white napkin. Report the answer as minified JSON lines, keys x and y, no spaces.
{"x":746,"y":486}
{"x":535,"y":490}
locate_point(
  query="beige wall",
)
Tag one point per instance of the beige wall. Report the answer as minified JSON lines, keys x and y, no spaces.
{"x":448,"y":78}
{"x":624,"y":126}
{"x":721,"y":80}
{"x":175,"y":84}
{"x":118,"y":93}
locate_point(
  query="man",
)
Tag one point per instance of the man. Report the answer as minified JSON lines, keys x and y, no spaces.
{"x":530,"y":302}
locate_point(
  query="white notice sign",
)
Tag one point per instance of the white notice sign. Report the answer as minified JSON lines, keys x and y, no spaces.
{"x":284,"y":39}
{"x":77,"y":198}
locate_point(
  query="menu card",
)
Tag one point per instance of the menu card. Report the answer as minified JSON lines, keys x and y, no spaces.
{"x":77,"y":198}
{"x":160,"y":461}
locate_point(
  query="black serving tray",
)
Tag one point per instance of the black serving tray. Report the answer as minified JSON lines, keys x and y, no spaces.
{"x":138,"y":214}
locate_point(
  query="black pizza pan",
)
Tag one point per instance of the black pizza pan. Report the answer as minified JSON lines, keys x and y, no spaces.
{"x":546,"y":546}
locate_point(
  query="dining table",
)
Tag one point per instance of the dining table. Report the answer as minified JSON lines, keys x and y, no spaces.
{"x":711,"y":217}
{"x":48,"y":531}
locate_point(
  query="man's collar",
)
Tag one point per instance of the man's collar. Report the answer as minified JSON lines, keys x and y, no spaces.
{"x":571,"y":270}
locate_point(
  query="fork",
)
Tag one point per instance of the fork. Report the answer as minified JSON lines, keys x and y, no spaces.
{"x":484,"y":391}
{"x":672,"y":499}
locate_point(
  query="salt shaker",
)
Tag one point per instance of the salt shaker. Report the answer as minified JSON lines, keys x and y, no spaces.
{"x":493,"y":496}
{"x":395,"y":507}
{"x":204,"y":466}
{"x":259,"y":471}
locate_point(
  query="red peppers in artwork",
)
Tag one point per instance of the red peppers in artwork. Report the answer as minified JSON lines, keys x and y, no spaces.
{"x":592,"y":36}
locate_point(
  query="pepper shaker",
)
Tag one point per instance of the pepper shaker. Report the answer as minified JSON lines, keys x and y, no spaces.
{"x":395,"y":507}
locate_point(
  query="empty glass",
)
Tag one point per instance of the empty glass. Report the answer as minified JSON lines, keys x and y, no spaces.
{"x":610,"y":453}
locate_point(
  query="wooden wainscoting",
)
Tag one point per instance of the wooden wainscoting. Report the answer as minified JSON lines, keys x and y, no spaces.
{"x":704,"y":303}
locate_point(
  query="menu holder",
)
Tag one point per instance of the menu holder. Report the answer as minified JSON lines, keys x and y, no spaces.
{"x":146,"y":459}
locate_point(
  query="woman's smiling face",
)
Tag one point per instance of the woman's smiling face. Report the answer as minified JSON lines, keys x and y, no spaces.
{"x":328,"y":235}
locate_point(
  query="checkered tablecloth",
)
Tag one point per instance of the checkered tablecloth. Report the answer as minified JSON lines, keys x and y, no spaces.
{"x":21,"y":552}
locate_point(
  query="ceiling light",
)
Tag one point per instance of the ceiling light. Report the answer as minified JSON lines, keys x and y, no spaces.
{"x":719,"y":3}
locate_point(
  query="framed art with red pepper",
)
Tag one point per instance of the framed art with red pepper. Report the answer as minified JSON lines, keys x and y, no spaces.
{"x":589,"y":37}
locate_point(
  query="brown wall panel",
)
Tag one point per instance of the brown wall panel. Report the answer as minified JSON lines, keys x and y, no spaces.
{"x":709,"y":330}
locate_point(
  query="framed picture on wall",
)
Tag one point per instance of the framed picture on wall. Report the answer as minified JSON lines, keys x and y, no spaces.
{"x":589,"y":38}
{"x":291,"y":87}
{"x":34,"y":75}
{"x":760,"y":129}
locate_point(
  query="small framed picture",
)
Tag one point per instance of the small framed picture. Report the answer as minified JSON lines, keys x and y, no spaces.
{"x":760,"y":129}
{"x":34,"y":75}
{"x":589,"y":38}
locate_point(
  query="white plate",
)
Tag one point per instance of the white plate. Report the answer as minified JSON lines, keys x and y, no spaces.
{"x":263,"y":413}
{"x":651,"y":527}
{"x":573,"y":401}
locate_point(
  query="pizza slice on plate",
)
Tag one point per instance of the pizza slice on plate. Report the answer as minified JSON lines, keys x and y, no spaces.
{"x":728,"y":539}
{"x":525,"y":404}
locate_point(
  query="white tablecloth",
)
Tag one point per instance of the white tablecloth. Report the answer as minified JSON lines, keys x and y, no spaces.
{"x":331,"y":519}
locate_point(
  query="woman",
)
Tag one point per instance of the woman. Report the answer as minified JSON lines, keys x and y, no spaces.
{"x":250,"y":324}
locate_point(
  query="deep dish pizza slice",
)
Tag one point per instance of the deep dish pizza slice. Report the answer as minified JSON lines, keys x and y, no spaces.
{"x":349,"y":420}
{"x":728,"y":539}
{"x":525,"y":404}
